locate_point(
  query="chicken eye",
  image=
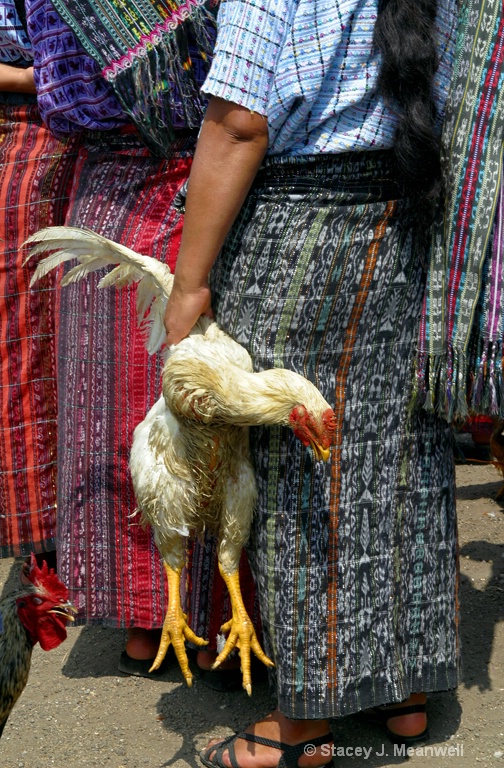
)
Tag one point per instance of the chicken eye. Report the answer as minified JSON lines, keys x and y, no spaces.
{"x":37,"y":600}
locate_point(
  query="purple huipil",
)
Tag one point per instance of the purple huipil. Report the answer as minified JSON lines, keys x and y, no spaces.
{"x":72,"y":93}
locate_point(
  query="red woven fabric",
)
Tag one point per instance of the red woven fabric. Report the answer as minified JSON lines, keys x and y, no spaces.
{"x":35,"y":174}
{"x":107,"y":382}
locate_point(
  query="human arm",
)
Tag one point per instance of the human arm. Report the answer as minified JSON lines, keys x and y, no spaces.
{"x":16,"y":79}
{"x":231,"y":146}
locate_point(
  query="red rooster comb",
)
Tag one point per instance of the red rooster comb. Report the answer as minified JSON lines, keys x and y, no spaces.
{"x":46,"y":580}
{"x":45,"y":611}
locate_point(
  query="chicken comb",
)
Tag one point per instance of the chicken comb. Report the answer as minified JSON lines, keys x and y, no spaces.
{"x":46,"y":579}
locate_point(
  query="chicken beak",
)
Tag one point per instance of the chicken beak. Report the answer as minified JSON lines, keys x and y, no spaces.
{"x":321,"y":454}
{"x":65,"y":609}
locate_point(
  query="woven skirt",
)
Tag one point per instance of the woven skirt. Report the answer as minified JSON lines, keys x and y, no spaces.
{"x":355,"y":560}
{"x":107,"y":382}
{"x":36,"y":172}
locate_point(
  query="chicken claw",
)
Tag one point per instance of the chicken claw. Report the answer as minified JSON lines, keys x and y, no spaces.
{"x":242,"y":634}
{"x":175,"y":628}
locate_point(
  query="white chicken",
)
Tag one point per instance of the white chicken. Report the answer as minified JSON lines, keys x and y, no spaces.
{"x":189,"y":460}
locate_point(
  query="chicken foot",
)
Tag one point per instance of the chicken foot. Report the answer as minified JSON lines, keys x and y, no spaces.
{"x":242,"y":634}
{"x":175,"y":628}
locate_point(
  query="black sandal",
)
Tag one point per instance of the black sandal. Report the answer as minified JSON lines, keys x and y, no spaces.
{"x":231,"y":680}
{"x":289,"y":759}
{"x":381,"y":716}
{"x":141,"y":667}
{"x":222,"y":680}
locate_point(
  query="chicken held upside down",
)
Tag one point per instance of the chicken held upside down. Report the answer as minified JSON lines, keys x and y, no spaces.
{"x":190,"y":462}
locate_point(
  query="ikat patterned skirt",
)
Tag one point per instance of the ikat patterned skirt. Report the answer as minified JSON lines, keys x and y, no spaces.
{"x":355,"y":560}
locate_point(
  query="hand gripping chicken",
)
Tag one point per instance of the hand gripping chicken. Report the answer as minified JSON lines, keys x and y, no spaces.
{"x":189,"y":461}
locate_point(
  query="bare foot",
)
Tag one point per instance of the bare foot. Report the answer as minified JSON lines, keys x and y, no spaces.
{"x":408,"y":725}
{"x":279,"y":728}
{"x":141,"y":643}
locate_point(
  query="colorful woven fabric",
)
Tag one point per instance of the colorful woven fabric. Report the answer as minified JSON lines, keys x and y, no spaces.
{"x":460,"y":359}
{"x":107,"y":382}
{"x":15,"y":46}
{"x":355,"y":560}
{"x":155,"y":55}
{"x":72,"y":94}
{"x":311,"y":67}
{"x":35,"y":175}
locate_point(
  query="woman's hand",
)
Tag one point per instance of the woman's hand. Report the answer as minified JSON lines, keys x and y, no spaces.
{"x":184,"y":308}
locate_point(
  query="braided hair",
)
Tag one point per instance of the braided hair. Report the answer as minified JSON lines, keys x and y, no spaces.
{"x":405,"y":35}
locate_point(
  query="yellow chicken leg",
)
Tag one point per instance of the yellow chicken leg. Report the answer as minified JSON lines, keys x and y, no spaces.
{"x":175,"y":628}
{"x":241,"y":632}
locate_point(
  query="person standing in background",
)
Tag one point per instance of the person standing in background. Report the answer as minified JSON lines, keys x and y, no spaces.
{"x":36,"y":171}
{"x":137,"y":117}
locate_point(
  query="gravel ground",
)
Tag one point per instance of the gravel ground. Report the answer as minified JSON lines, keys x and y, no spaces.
{"x":77,"y":711}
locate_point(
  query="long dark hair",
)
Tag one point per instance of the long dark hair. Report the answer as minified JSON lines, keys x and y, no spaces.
{"x":405,"y":35}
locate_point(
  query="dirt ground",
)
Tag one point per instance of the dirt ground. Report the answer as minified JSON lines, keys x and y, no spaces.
{"x":77,"y":711}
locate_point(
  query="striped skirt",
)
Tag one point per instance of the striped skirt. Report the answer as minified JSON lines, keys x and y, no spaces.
{"x":107,"y":382}
{"x":35,"y":175}
{"x":355,"y":560}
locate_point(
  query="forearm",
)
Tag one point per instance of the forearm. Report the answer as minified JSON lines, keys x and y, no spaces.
{"x":230,"y":149}
{"x":16,"y":79}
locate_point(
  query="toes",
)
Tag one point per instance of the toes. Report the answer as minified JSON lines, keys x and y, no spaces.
{"x":208,"y":753}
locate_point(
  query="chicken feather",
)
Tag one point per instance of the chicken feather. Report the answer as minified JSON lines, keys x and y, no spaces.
{"x":93,"y":251}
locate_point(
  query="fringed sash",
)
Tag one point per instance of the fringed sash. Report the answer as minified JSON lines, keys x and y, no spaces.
{"x":154,"y":54}
{"x":459,"y":365}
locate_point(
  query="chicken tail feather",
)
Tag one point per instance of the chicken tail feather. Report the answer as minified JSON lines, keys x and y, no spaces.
{"x":93,"y":251}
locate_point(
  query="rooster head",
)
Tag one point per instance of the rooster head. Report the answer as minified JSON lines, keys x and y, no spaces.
{"x":284,"y":397}
{"x":313,"y":431}
{"x":44,"y":610}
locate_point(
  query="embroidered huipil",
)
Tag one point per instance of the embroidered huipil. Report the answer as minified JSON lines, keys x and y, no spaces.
{"x":72,"y":93}
{"x":311,"y":68}
{"x":155,"y":55}
{"x":15,"y":47}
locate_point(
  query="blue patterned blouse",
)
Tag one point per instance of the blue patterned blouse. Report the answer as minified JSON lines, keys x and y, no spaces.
{"x":15,"y":47}
{"x":310,"y":67}
{"x":72,"y":93}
